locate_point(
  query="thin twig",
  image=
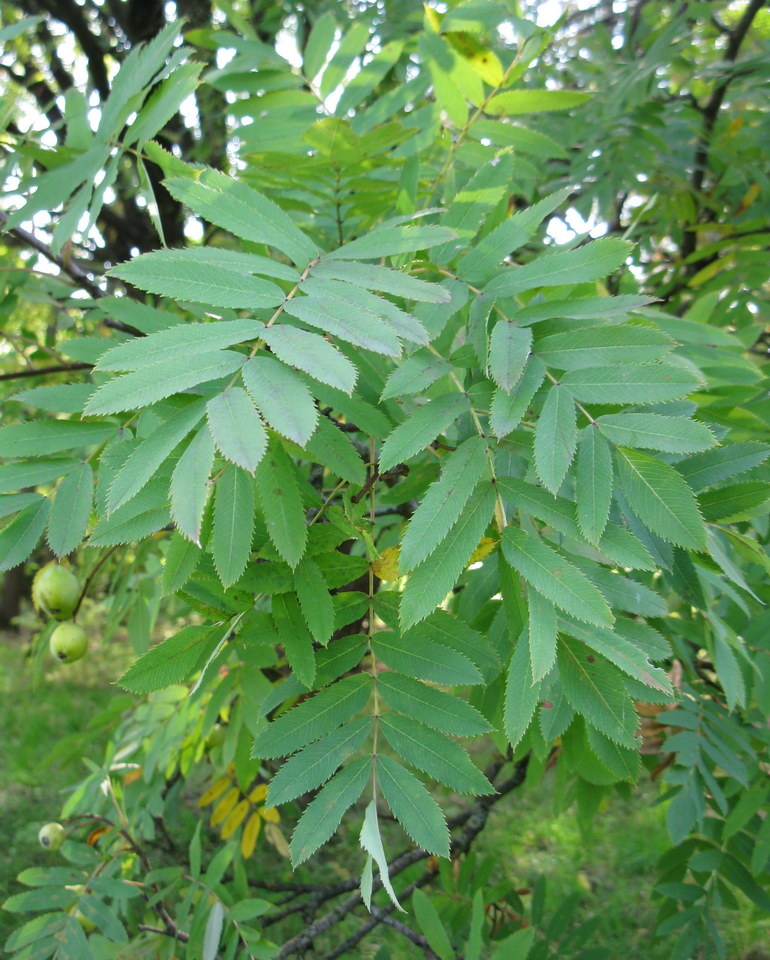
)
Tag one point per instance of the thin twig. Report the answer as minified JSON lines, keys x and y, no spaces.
{"x":43,"y":371}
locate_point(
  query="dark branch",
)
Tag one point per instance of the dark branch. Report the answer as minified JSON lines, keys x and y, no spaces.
{"x":42,"y":371}
{"x":710,"y":114}
{"x":71,"y":269}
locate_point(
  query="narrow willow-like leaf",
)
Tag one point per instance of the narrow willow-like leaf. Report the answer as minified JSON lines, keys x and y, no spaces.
{"x":314,"y":765}
{"x":521,"y":693}
{"x":281,"y":503}
{"x":444,"y":502}
{"x":313,"y":354}
{"x":652,"y":431}
{"x":233,"y":523}
{"x":314,"y":599}
{"x":314,"y":717}
{"x":282,"y":398}
{"x":190,"y":485}
{"x":421,"y":428}
{"x":596,"y":691}
{"x":430,"y":706}
{"x":434,"y":753}
{"x":555,"y":577}
{"x":413,"y":807}
{"x":509,"y":349}
{"x":71,"y":510}
{"x":555,"y":437}
{"x":593,"y":487}
{"x":541,"y":634}
{"x":322,"y":817}
{"x":431,"y":581}
{"x":236,"y":428}
{"x":509,"y":408}
{"x":661,"y":498}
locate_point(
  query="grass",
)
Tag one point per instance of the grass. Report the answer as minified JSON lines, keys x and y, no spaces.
{"x":528,"y":836}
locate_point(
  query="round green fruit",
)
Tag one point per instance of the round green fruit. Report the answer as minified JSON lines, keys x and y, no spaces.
{"x":69,"y":642}
{"x":51,"y":836}
{"x":56,"y":591}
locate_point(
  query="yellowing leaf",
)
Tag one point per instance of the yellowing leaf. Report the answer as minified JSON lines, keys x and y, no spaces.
{"x":235,"y":819}
{"x":277,"y":839}
{"x":214,"y":791}
{"x":485,"y":547}
{"x":259,"y":793}
{"x":482,"y":61}
{"x":250,"y":834}
{"x":270,"y":815}
{"x":225,"y":806}
{"x":386,"y":565}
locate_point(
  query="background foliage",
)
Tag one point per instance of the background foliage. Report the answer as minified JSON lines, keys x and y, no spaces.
{"x":393,"y":378}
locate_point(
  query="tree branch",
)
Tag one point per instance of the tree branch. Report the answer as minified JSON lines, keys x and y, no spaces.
{"x":710,"y":114}
{"x":42,"y":371}
{"x":71,"y":269}
{"x":474,"y":819}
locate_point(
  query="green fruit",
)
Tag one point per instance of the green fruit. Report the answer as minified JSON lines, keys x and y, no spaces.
{"x":69,"y":642}
{"x":51,"y":836}
{"x":56,"y":591}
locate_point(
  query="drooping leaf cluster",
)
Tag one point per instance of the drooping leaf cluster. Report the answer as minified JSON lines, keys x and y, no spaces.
{"x":411,"y":471}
